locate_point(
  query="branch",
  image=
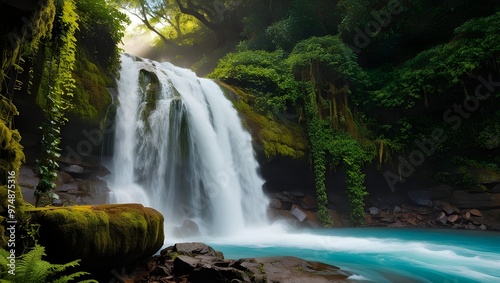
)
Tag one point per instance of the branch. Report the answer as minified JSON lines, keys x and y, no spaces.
{"x":146,"y":22}
{"x":200,"y":17}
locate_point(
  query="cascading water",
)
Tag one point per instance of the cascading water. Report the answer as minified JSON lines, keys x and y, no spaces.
{"x":180,"y":148}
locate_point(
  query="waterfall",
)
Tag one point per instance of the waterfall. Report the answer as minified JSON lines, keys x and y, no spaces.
{"x":180,"y":148}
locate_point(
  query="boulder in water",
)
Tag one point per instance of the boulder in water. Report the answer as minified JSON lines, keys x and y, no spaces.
{"x":188,"y":229}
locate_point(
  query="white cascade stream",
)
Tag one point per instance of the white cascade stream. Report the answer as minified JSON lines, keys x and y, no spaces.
{"x":180,"y":148}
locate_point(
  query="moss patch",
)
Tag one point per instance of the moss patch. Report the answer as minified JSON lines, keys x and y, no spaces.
{"x":91,"y":96}
{"x":102,"y":236}
{"x":277,"y":137}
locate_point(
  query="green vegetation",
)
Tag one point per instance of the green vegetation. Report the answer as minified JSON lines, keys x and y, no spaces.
{"x":30,"y":267}
{"x":278,"y":136}
{"x":59,"y":86}
{"x":316,"y":81}
{"x":111,"y":233}
{"x":44,"y":53}
{"x":368,"y":91}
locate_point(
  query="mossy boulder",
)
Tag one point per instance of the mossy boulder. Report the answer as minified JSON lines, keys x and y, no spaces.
{"x":102,"y":236}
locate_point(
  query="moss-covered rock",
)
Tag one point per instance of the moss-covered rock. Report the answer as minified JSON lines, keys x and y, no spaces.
{"x":277,"y":137}
{"x":91,"y":97}
{"x":103,"y":236}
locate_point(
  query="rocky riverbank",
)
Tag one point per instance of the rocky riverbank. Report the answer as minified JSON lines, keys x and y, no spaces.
{"x":199,"y":263}
{"x":420,"y":209}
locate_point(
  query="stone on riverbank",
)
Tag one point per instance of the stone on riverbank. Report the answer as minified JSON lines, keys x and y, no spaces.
{"x":199,"y":263}
{"x":102,"y":236}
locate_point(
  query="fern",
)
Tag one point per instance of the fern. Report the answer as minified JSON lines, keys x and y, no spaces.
{"x":30,"y":267}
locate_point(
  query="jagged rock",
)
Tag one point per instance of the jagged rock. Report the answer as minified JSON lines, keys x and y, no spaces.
{"x":194,"y":249}
{"x":453,"y":218}
{"x":442,"y":218}
{"x":160,"y":270}
{"x":209,"y":269}
{"x":286,"y":202}
{"x":280,"y":215}
{"x":387,"y":220}
{"x":374,"y":211}
{"x":475,"y":212}
{"x":74,"y":169}
{"x":448,"y":209}
{"x":103,"y":171}
{"x":184,"y":265}
{"x":309,"y":202}
{"x":283,"y":197}
{"x":64,"y":178}
{"x":482,"y":227}
{"x":298,"y":213}
{"x":57,"y":202}
{"x":294,"y":194}
{"x":275,"y":203}
{"x":397,"y":209}
{"x":67,"y":188}
{"x":211,"y":274}
{"x":467,"y":215}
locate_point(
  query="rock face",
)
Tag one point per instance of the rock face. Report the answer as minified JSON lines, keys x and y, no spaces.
{"x":102,"y":236}
{"x":464,"y":199}
{"x":428,"y":196}
{"x":199,"y":263}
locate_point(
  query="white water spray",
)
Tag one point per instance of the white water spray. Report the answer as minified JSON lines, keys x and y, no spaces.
{"x":180,"y":148}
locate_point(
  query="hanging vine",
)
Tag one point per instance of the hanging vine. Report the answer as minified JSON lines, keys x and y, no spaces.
{"x":328,"y":69}
{"x":58,"y":88}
